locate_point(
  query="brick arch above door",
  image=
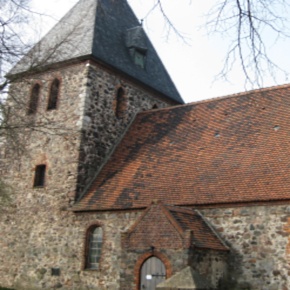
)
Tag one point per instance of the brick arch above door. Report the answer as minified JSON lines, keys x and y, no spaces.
{"x":146,"y":256}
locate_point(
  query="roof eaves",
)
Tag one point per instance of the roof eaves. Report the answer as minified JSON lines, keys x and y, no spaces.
{"x":75,"y":34}
{"x":171,"y":218}
{"x":224,"y":249}
{"x":133,"y":227}
{"x":212,"y":229}
{"x":241,"y":94}
{"x":136,"y":80}
{"x":51,"y":66}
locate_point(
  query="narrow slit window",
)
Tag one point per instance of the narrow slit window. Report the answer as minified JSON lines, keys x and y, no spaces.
{"x":53,"y":95}
{"x":95,"y":241}
{"x":39,"y":177}
{"x":33,"y":101}
{"x":121,"y":104}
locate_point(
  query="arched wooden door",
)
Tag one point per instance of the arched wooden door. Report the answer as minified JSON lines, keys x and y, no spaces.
{"x":152,"y":273}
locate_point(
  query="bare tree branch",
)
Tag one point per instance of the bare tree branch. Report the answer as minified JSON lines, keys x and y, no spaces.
{"x":169,"y":26}
{"x":248,"y":24}
{"x":13,"y":118}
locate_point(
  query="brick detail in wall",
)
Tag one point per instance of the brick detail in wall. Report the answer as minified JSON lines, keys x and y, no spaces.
{"x":85,"y":249}
{"x":153,"y":229}
{"x":59,"y":91}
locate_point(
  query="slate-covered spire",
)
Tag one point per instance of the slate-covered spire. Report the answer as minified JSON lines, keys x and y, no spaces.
{"x":109,"y":32}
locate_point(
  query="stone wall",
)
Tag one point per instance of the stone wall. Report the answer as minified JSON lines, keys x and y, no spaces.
{"x":258,"y":238}
{"x":102,"y":128}
{"x":44,"y":238}
{"x":84,"y":118}
{"x":29,"y":224}
{"x":35,"y":241}
{"x":51,"y":138}
{"x":212,"y":265}
{"x":38,"y":232}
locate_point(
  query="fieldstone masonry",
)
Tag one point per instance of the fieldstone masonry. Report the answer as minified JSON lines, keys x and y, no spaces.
{"x":259,"y":243}
{"x":45,"y":237}
{"x":38,"y":232}
{"x":43,"y":241}
{"x":101,"y":127}
{"x":41,"y":246}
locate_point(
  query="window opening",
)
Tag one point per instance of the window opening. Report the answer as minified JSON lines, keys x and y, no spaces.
{"x":53,"y":95}
{"x":95,"y":241}
{"x":139,"y":58}
{"x":39,"y":176}
{"x":33,"y":101}
{"x":121,"y":104}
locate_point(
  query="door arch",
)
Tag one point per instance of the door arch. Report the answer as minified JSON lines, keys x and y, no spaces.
{"x":152,"y":273}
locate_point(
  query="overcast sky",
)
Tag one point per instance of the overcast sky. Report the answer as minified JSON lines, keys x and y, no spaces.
{"x":193,"y":62}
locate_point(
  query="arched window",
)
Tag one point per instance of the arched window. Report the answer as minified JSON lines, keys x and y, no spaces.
{"x":33,"y":101}
{"x":121,"y":104}
{"x":94,"y":247}
{"x":53,"y":95}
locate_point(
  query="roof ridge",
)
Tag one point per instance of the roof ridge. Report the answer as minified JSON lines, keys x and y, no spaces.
{"x":244,"y":93}
{"x":218,"y":98}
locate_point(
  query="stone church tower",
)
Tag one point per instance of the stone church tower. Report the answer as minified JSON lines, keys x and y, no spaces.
{"x":84,"y":82}
{"x":75,"y":93}
{"x":112,"y":186}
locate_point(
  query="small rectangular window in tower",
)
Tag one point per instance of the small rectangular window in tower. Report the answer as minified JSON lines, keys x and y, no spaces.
{"x":39,"y":176}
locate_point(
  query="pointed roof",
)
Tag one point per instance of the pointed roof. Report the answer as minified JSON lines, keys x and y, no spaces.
{"x":225,"y":151}
{"x":203,"y":235}
{"x":108,"y":31}
{"x":176,"y":222}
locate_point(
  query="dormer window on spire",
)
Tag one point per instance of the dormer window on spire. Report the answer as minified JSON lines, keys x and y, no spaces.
{"x":136,"y":43}
{"x":138,"y":57}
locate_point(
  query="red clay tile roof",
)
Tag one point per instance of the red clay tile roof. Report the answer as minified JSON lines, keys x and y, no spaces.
{"x":150,"y":228}
{"x":203,"y":236}
{"x":228,"y":150}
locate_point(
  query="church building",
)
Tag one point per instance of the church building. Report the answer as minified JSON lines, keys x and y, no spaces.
{"x":115,"y":183}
